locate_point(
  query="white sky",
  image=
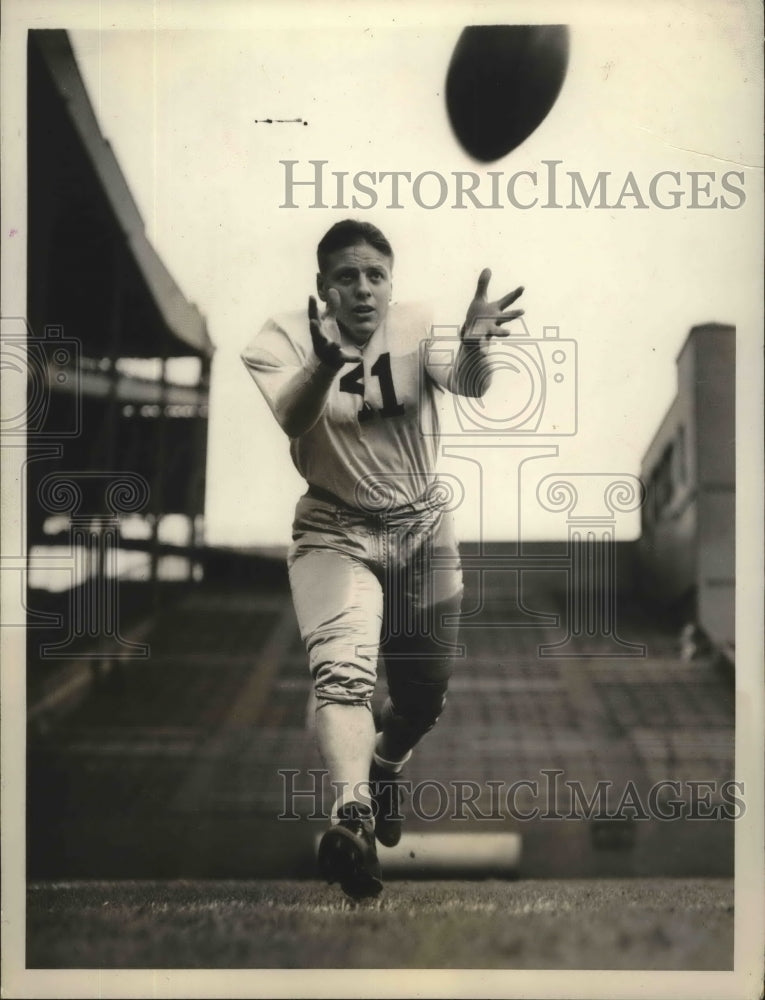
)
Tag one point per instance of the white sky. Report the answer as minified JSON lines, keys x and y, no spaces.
{"x":649,"y":88}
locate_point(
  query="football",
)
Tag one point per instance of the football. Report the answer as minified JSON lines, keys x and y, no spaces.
{"x":502,"y":82}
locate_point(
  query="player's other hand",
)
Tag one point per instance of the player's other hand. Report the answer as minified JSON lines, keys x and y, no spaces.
{"x":325,"y":333}
{"x":485,"y":319}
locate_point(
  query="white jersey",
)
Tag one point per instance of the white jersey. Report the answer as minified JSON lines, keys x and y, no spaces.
{"x":379,"y":427}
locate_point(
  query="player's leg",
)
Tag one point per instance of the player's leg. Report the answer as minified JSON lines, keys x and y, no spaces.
{"x":338,"y":602}
{"x":418,"y":675}
{"x":420,"y":645}
{"x":418,"y":669}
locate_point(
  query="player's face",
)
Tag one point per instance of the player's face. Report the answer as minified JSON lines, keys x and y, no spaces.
{"x":363,"y":279}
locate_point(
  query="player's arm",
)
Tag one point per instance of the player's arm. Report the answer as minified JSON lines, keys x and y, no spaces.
{"x":297,"y":394}
{"x":305,"y":396}
{"x":472,"y":372}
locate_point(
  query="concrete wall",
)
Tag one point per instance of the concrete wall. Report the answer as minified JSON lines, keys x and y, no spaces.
{"x":668,"y":541}
{"x":716,"y":456}
{"x":687,"y":546}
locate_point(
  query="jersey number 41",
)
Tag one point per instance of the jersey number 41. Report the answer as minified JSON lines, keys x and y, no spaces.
{"x":353,"y":382}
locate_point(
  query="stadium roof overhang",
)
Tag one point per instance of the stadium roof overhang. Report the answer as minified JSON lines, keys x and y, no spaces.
{"x":91,"y":266}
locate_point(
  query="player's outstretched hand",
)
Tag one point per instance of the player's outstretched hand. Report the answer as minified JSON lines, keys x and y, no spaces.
{"x":485,"y":319}
{"x":325,"y":333}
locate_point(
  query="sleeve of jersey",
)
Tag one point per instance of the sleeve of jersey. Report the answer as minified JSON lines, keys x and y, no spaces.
{"x":294,"y":383}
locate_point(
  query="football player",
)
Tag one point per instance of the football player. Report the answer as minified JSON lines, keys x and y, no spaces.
{"x":373,"y":565}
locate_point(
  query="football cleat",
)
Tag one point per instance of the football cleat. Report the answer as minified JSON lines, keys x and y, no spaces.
{"x":347,"y":853}
{"x":387,"y":789}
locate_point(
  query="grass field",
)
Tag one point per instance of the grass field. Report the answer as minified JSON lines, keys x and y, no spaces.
{"x":651,"y":924}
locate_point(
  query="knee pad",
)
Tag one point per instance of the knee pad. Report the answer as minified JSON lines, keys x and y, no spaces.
{"x":416,"y":705}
